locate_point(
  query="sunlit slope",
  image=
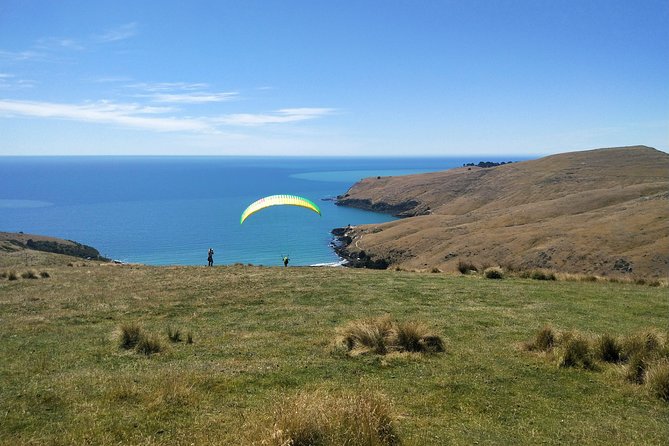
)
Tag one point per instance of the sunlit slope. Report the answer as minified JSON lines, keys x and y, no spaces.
{"x":602,"y":211}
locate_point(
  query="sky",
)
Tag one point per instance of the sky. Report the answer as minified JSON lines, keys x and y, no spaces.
{"x":332,"y":78}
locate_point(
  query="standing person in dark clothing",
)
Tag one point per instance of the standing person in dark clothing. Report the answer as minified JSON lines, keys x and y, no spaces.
{"x":285,"y":260}
{"x":210,"y":257}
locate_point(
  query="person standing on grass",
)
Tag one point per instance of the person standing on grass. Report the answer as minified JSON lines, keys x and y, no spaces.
{"x":210,"y":257}
{"x":285,"y":260}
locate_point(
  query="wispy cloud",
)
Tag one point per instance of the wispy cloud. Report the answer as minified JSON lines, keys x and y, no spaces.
{"x":193,"y":98}
{"x":127,"y":115}
{"x":182,"y":93}
{"x":151,"y":118}
{"x":285,"y":115}
{"x":11,"y":82}
{"x":22,"y":56}
{"x":57,"y":43}
{"x":121,"y":32}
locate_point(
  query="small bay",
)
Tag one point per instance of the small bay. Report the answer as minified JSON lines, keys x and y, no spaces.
{"x":171,"y":210}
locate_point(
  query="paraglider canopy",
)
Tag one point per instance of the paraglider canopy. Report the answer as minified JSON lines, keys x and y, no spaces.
{"x":276,"y":200}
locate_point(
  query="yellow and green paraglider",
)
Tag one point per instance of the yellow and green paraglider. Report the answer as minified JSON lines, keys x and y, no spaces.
{"x":277,"y":200}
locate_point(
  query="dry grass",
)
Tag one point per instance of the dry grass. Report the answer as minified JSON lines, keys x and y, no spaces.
{"x":130,"y":335}
{"x":493,"y":272}
{"x":543,"y":341}
{"x":657,"y":379}
{"x":323,"y":418}
{"x":575,"y":352}
{"x":383,"y":335}
{"x":148,"y":345}
{"x":608,"y":349}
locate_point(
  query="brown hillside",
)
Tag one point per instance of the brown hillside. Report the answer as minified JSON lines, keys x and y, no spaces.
{"x":601,"y":211}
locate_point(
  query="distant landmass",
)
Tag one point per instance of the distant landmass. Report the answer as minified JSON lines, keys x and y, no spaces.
{"x":601,"y":211}
{"x":18,"y":241}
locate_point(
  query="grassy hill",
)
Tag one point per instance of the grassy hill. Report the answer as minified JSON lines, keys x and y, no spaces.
{"x":262,"y":336}
{"x":597,"y":212}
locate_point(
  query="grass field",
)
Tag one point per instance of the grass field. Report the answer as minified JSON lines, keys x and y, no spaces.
{"x":261,"y":335}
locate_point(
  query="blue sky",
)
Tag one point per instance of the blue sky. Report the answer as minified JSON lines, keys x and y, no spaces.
{"x":376,"y":78}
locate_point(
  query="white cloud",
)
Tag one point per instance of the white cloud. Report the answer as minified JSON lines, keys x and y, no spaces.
{"x":122,"y":32}
{"x":145,"y":117}
{"x":193,"y":98}
{"x":280,"y":116}
{"x":106,"y":113}
{"x":22,"y":56}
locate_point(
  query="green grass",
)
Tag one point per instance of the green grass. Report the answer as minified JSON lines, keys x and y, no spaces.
{"x":265,"y":335}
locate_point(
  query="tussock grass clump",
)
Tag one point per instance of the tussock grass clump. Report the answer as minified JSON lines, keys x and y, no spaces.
{"x":646,"y":344}
{"x":44,"y":274}
{"x":30,"y":274}
{"x":494,"y":272}
{"x":189,"y":338}
{"x":657,"y":379}
{"x":326,"y":419}
{"x":608,"y":349}
{"x":368,"y":334}
{"x":542,"y":275}
{"x":466,"y":267}
{"x":12,"y":275}
{"x":544,"y":340}
{"x":3,"y":274}
{"x":130,"y":335}
{"x":575,"y":352}
{"x":383,"y":335}
{"x":416,"y":337}
{"x":148,"y":345}
{"x":636,"y":369}
{"x":174,"y":334}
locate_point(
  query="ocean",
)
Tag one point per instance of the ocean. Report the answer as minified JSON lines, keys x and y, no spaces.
{"x":171,"y":210}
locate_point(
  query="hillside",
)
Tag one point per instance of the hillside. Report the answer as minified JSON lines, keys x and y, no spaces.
{"x":600,"y":212}
{"x":262,"y":336}
{"x":18,"y":247}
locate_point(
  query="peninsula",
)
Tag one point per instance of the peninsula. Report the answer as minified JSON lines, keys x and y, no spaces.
{"x":600,"y":212}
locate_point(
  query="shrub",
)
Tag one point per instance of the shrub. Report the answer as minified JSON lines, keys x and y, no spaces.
{"x":636,"y":369}
{"x":645,"y":344}
{"x":542,"y":275}
{"x":12,"y":275}
{"x":494,"y":272}
{"x":30,"y":274}
{"x":657,"y":379}
{"x":544,"y":340}
{"x":174,"y":334}
{"x":415,"y":337}
{"x":368,"y":334}
{"x":130,"y":336}
{"x":576,"y":353}
{"x":608,"y":349}
{"x":320,"y":418}
{"x":149,"y":345}
{"x":466,"y":267}
{"x":383,"y":335}
{"x":45,"y":274}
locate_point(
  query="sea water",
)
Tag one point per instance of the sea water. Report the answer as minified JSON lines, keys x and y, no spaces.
{"x":171,"y":210}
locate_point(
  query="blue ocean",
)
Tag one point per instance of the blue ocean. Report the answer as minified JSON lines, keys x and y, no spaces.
{"x":171,"y":210}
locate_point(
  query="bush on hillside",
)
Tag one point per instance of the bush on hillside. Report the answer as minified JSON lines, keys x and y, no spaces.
{"x":466,"y":267}
{"x":494,"y":272}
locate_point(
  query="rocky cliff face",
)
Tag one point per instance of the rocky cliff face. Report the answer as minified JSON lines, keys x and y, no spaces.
{"x":601,"y":212}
